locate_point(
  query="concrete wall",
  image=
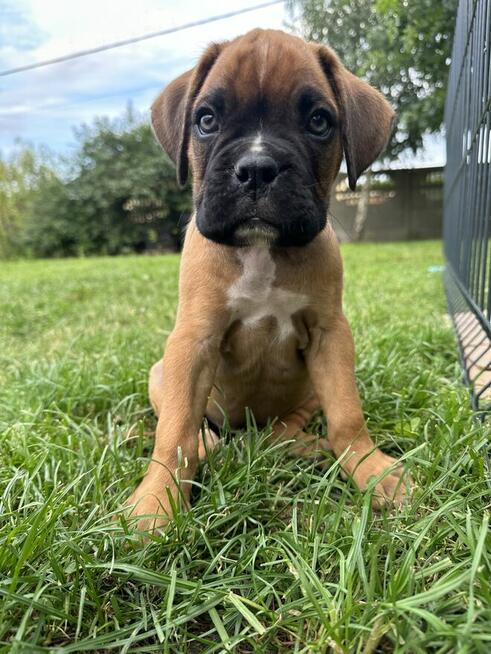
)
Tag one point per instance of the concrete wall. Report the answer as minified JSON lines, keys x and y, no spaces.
{"x":403,"y":205}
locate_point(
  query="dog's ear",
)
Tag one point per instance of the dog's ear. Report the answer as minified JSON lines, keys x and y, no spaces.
{"x":366,"y":116}
{"x":171,"y":111}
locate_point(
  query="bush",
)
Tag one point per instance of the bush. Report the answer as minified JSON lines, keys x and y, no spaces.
{"x":117,"y":194}
{"x":21,"y":174}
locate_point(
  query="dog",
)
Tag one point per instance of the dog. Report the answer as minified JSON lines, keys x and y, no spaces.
{"x":262,"y":122}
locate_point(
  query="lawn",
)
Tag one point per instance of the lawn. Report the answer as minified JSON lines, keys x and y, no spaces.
{"x":277,"y":555}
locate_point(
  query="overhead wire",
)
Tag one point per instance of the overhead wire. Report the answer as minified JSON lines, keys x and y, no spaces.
{"x":136,"y":39}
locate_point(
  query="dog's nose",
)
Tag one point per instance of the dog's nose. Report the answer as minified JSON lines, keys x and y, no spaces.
{"x":256,"y":170}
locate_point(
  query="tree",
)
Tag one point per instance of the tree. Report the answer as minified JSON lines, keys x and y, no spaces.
{"x":401,"y":47}
{"x":120,"y":195}
{"x":21,"y":174}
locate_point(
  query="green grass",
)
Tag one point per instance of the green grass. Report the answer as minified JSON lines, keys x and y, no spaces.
{"x":277,"y":555}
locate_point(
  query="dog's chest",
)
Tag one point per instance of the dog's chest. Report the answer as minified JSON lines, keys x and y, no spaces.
{"x":254,"y":295}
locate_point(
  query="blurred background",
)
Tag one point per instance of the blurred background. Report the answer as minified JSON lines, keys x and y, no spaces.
{"x":80,"y":173}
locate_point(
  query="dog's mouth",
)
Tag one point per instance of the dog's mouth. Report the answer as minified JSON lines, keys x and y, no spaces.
{"x":256,"y":232}
{"x":291,"y":214}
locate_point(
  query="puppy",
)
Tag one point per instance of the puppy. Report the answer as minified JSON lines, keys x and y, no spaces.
{"x":262,"y":123}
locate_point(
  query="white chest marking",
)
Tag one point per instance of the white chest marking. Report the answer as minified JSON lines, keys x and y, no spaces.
{"x":253,"y":296}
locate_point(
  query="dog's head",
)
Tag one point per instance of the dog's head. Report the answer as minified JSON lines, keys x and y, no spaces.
{"x":262,"y":121}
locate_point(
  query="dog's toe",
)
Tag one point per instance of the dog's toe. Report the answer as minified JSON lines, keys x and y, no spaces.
{"x":207,"y":442}
{"x":393,"y":490}
{"x":391,"y":483}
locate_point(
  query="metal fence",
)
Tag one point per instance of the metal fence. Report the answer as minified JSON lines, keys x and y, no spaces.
{"x":467,"y":195}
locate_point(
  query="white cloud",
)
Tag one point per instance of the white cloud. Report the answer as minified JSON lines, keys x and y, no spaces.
{"x":43,"y":105}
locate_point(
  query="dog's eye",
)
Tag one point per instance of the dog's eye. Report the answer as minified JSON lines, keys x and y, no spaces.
{"x":319,"y":123}
{"x":207,"y":123}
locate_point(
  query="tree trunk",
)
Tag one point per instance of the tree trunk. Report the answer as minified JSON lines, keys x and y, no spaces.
{"x":362,"y":207}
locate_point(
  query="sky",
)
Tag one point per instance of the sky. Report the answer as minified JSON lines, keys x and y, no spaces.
{"x":43,"y":106}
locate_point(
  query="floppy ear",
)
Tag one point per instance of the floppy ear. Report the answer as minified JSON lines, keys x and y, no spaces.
{"x":171,"y":111}
{"x":366,"y":116}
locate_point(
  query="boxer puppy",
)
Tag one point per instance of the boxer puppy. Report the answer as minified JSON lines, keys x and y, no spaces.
{"x":262,"y":123}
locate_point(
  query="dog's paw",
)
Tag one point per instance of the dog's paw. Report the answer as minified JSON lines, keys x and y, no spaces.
{"x":309,"y":446}
{"x":207,"y":442}
{"x":394,"y":484}
{"x":148,"y":508}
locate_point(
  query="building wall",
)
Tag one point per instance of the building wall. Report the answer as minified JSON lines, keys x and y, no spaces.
{"x":403,"y":205}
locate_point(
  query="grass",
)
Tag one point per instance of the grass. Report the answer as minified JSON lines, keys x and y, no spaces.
{"x":276,"y":555}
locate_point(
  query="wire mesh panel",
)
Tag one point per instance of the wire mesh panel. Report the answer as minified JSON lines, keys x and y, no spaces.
{"x":467,"y":194}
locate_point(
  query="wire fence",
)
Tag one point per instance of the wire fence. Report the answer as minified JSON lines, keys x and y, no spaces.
{"x":467,"y":195}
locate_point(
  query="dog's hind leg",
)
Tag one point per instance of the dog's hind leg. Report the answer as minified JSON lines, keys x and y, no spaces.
{"x":290,"y":428}
{"x":207,"y":439}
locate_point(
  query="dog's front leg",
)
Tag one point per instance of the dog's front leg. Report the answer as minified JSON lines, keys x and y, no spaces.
{"x":330,"y":359}
{"x":189,"y":365}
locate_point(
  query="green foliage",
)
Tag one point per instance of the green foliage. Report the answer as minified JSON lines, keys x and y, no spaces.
{"x":401,"y":47}
{"x":116,"y":193}
{"x":121,"y":195}
{"x":277,"y":554}
{"x":21,"y":174}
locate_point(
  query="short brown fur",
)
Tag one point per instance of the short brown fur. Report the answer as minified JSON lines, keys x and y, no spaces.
{"x":214,"y":363}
